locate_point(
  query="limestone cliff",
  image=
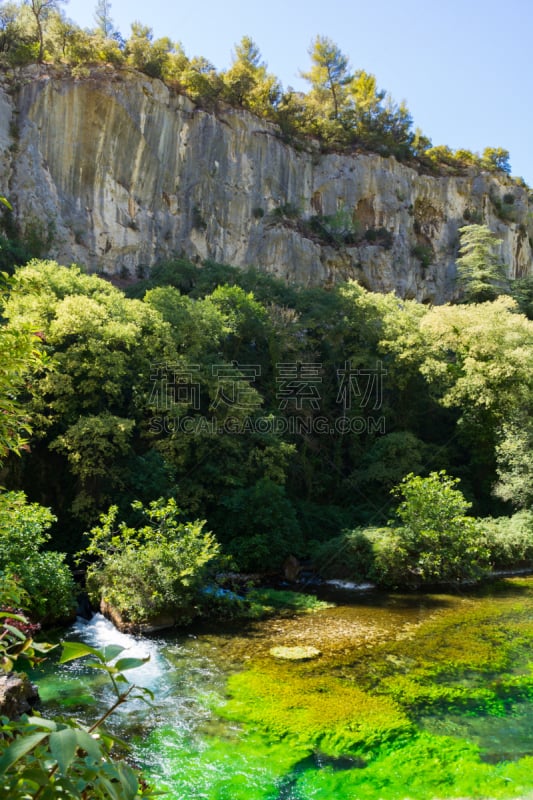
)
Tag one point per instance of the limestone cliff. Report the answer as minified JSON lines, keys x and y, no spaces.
{"x":129,"y":172}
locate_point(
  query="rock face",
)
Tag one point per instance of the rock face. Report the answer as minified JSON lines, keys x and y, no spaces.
{"x":17,"y":695}
{"x":127,"y":172}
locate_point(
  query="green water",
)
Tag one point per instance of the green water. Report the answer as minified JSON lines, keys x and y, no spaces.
{"x":413,"y":697}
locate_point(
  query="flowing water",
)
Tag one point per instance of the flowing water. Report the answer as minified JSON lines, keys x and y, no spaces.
{"x":427,"y":696}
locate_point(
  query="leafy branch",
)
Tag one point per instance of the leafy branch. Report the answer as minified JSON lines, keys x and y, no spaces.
{"x":44,"y":759}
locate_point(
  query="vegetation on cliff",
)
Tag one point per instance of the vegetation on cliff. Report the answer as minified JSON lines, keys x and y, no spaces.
{"x":343,"y":109}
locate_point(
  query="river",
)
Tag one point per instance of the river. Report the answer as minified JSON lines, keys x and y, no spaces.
{"x":413,"y":696}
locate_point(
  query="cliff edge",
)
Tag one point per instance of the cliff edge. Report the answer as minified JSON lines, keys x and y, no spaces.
{"x":128,"y":172}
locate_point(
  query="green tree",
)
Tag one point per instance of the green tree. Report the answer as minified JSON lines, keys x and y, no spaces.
{"x":496,"y":159}
{"x":514,"y":454}
{"x":19,"y":354}
{"x":15,"y":39}
{"x":200,"y":79}
{"x":62,"y":37}
{"x":247,"y":83}
{"x":480,"y":273}
{"x":91,"y":401}
{"x":377,"y":121}
{"x":104,"y":22}
{"x":91,"y":445}
{"x":436,"y":542}
{"x":259,"y":527}
{"x":329,"y":76}
{"x":478,"y":360}
{"x":42,"y":574}
{"x":145,"y":54}
{"x":365,"y":94}
{"x":41,"y":10}
{"x":478,"y":357}
{"x":522,"y":292}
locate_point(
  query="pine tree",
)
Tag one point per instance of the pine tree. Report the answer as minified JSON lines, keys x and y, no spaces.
{"x":480,"y":273}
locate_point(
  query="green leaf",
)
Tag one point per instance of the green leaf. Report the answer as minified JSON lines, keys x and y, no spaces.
{"x":99,"y":665}
{"x":19,"y":748}
{"x":85,"y":741}
{"x":8,"y":615}
{"x":111,"y":789}
{"x":143,"y":690}
{"x":128,"y":779}
{"x":15,"y":632}
{"x":73,"y":650}
{"x":41,"y":722}
{"x":43,"y":647}
{"x":130,"y":663}
{"x":109,"y":739}
{"x":111,"y":651}
{"x":63,"y":745}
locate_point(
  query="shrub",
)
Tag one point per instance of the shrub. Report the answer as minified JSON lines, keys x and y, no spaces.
{"x":390,"y":558}
{"x":50,"y":585}
{"x":380,"y":236}
{"x":473,"y":216}
{"x":349,"y":556}
{"x":435,"y":541}
{"x":157,"y":568}
{"x":284,"y":213}
{"x":504,"y":207}
{"x":509,"y":539}
{"x":424,"y":253}
{"x":42,"y":574}
{"x":333,"y":229}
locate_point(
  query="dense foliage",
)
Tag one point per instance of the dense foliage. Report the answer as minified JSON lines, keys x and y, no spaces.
{"x":42,"y":575}
{"x":433,"y":539}
{"x":282,"y":416}
{"x":155,"y":569}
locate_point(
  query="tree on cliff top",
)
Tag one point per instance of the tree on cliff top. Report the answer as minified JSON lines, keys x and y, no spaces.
{"x":247,"y":82}
{"x":102,"y":17}
{"x":41,"y":10}
{"x":329,"y":75}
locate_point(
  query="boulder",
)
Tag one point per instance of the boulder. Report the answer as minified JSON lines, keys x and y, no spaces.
{"x":17,"y":695}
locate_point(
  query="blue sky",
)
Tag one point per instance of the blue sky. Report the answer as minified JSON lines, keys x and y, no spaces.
{"x":463,"y":66}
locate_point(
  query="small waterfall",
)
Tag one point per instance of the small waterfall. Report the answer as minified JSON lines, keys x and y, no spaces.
{"x":179,"y":674}
{"x":99,"y":632}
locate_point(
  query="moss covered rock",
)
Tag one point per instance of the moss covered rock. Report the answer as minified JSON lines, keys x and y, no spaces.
{"x":297,"y":653}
